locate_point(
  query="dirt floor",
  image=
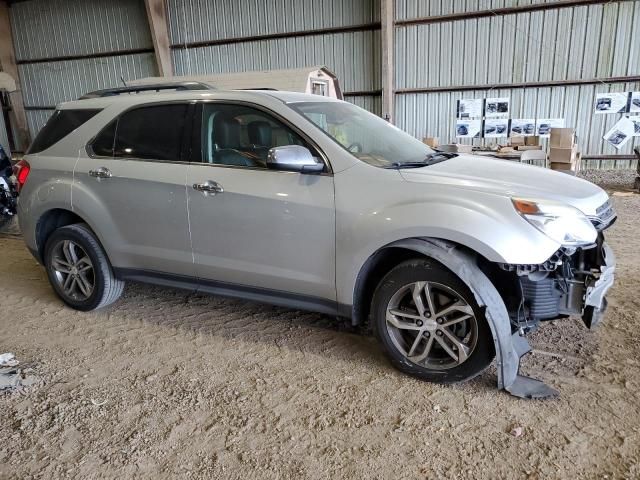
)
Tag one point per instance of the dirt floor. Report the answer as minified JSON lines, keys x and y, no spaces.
{"x":167,"y":384}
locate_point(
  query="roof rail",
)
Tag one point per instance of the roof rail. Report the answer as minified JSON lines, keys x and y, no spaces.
{"x":152,"y":87}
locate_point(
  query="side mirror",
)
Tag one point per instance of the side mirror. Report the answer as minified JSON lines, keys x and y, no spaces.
{"x":293,"y":158}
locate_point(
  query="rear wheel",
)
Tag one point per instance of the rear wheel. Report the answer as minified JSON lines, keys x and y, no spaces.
{"x":430,"y":324}
{"x":79,"y":270}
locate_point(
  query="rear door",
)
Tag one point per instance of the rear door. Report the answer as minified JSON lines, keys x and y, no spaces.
{"x":131,"y":183}
{"x":269,"y":229}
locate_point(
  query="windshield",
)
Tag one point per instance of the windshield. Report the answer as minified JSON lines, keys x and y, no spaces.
{"x":366,"y":136}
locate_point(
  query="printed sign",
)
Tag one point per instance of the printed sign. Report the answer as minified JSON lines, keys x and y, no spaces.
{"x":496,"y":107}
{"x":525,"y":127}
{"x":496,"y":127}
{"x":468,"y":128}
{"x":614,"y":102}
{"x":470,"y":108}
{"x":621,"y":132}
{"x":544,"y":126}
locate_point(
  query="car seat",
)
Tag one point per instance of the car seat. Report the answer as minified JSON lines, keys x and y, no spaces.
{"x":226,"y":140}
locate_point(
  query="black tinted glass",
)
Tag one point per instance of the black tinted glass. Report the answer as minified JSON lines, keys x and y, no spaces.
{"x":153,"y":132}
{"x":61,"y":124}
{"x":103,"y":143}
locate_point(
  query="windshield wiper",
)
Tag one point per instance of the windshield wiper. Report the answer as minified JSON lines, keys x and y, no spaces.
{"x":431,"y":159}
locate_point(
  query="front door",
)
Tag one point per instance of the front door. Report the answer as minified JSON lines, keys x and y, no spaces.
{"x":263,"y":230}
{"x":136,"y":179}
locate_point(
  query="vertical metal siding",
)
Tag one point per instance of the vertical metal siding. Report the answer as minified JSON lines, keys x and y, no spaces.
{"x":45,"y":29}
{"x":353,"y":56}
{"x":433,"y":114}
{"x":4,"y":138}
{"x":582,"y":42}
{"x":204,"y":20}
{"x":524,"y":47}
{"x":407,"y":9}
{"x":46,"y":84}
{"x":36,"y":120}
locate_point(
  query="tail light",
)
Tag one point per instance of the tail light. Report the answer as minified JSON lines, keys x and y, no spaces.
{"x":21,"y":171}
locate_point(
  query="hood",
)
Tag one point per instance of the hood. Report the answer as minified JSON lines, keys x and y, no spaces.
{"x":510,"y":178}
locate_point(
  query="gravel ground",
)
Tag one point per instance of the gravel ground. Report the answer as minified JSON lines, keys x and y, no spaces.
{"x":167,"y":384}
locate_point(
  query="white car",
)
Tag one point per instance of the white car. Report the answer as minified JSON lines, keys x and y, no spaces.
{"x":314,"y":203}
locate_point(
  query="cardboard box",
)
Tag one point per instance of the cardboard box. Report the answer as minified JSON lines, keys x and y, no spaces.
{"x":562,"y":137}
{"x":531,"y":141}
{"x":518,"y":140}
{"x":562,"y":155}
{"x":433,"y":142}
{"x":561,"y":166}
{"x":455,"y":148}
{"x":529,"y":147}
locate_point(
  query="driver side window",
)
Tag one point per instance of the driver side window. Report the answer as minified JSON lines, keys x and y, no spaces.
{"x":242,"y":136}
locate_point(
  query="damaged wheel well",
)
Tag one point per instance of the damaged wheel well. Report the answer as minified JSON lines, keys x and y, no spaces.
{"x":376,"y":267}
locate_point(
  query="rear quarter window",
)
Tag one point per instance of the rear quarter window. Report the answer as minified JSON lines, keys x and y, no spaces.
{"x":61,"y":124}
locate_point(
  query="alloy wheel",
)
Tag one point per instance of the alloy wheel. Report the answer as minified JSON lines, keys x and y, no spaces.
{"x":432,"y":325}
{"x":73,"y":270}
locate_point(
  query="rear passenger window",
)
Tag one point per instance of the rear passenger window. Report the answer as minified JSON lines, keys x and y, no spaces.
{"x":61,"y":124}
{"x":153,"y":132}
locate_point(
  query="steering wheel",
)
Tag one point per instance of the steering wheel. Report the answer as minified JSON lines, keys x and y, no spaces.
{"x":355,"y":145}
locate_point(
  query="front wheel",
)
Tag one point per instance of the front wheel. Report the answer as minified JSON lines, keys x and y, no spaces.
{"x":430,"y":324}
{"x":79,"y":270}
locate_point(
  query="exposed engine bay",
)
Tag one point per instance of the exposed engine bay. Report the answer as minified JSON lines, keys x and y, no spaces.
{"x":574,"y":281}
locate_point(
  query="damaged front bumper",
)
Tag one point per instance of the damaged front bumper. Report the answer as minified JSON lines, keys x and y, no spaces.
{"x":595,"y":296}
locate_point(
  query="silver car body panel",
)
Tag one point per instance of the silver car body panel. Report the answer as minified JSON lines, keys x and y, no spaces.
{"x":303,"y":235}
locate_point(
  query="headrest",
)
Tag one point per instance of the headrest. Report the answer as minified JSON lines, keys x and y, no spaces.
{"x":260,"y":133}
{"x":226,"y":133}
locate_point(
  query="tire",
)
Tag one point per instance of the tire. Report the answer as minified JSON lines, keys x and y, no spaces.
{"x":464,"y":321}
{"x":91,"y":268}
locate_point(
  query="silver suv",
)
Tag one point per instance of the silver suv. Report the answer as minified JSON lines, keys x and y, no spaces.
{"x":313,"y":203}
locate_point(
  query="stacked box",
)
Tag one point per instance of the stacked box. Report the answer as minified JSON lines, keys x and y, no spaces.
{"x":563,"y":151}
{"x":533,"y":140}
{"x":433,"y":142}
{"x":517,"y":141}
{"x":455,"y":148}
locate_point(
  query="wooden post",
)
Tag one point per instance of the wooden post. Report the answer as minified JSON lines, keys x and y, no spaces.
{"x":17,"y":115}
{"x":157,"y":16}
{"x":388,"y":67}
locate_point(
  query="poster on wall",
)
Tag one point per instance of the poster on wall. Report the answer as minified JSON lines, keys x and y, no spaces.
{"x":468,"y":128}
{"x":634,"y":106}
{"x":636,"y":124}
{"x":469,"y":108}
{"x":496,"y":107}
{"x":525,"y":127}
{"x":614,"y":102}
{"x":620,"y":133}
{"x":544,"y":126}
{"x":496,"y":127}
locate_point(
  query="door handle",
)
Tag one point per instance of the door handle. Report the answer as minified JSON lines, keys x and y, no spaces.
{"x":208,"y":187}
{"x":100,"y":172}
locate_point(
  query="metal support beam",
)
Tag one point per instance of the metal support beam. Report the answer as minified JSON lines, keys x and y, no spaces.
{"x":17,"y":114}
{"x":157,"y":16}
{"x":388,"y":70}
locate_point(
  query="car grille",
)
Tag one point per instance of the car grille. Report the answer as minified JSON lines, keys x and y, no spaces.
{"x":605,"y":216}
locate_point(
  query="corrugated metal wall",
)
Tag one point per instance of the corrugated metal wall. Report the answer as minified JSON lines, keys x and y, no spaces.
{"x":62,"y":28}
{"x":4,"y":139}
{"x":353,"y":56}
{"x":583,"y":42}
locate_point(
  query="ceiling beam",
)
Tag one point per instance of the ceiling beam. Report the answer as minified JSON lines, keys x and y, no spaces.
{"x":159,"y":26}
{"x":17,"y":115}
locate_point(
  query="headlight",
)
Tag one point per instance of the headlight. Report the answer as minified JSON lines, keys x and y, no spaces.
{"x":564,"y":224}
